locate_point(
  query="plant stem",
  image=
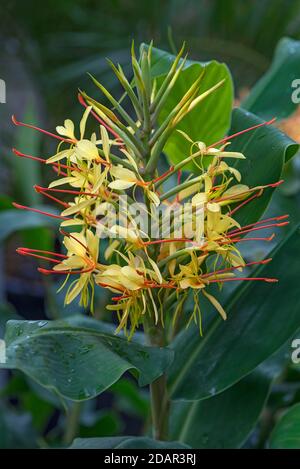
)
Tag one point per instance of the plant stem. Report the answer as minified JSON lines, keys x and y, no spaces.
{"x":160,"y":408}
{"x":160,"y":402}
{"x":72,"y":423}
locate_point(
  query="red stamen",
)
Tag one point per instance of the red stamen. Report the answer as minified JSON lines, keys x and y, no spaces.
{"x":242,"y":240}
{"x":67,"y":191}
{"x":275,"y":184}
{"x":94,"y":114}
{"x":119,"y":298}
{"x":171,"y":240}
{"x":22,"y":124}
{"x":142,"y":183}
{"x":228,"y":269}
{"x":56,"y":166}
{"x":41,"y":191}
{"x":65,"y":272}
{"x":263,"y":227}
{"x":164,"y":175}
{"x":263,"y":279}
{"x":52,"y":253}
{"x":23,"y":207}
{"x":161,"y":285}
{"x":281,"y":217}
{"x":249,"y":129}
{"x":65,"y":233}
{"x":237,"y":196}
{"x":23,"y":155}
{"x":59,"y":171}
{"x":255,"y":196}
{"x":38,"y":256}
{"x":106,"y":285}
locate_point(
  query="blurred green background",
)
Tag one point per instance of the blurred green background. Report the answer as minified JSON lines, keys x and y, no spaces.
{"x":46,"y":49}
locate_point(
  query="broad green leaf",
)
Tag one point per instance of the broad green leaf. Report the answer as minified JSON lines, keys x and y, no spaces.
{"x":266,"y":150}
{"x":272,"y":94}
{"x":225,"y":421}
{"x":261,"y":318}
{"x":78,"y":358}
{"x":210,"y":120}
{"x":7,"y":312}
{"x":15,"y":220}
{"x":125,"y":442}
{"x":286,"y":434}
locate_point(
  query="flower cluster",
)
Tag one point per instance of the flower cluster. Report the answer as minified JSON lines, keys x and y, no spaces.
{"x":148,"y":277}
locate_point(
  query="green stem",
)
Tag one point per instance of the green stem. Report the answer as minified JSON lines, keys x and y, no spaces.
{"x":160,"y":402}
{"x":160,"y":408}
{"x":72,"y":423}
{"x":181,"y":187}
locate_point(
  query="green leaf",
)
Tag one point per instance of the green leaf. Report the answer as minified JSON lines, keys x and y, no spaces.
{"x":125,"y":442}
{"x":15,"y":220}
{"x":225,"y":421}
{"x":261,"y":317}
{"x":210,"y":120}
{"x":265,"y":98}
{"x":266,"y":150}
{"x":16,"y":430}
{"x":79,"y":358}
{"x":7,"y":312}
{"x":286,"y":434}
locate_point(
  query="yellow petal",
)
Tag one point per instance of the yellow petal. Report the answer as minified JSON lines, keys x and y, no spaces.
{"x":73,"y":262}
{"x":236,"y":190}
{"x":60,"y":156}
{"x":131,"y":279}
{"x":83,"y":121}
{"x":105,"y":142}
{"x":120,"y":185}
{"x":67,"y":130}
{"x":111,"y":248}
{"x":154,"y":198}
{"x":213,"y":216}
{"x":199,"y":199}
{"x":125,"y":174}
{"x":77,"y":207}
{"x":73,"y":222}
{"x":130,"y":159}
{"x":93,"y":244}
{"x":75,"y":244}
{"x":156,"y":270}
{"x":216,"y":304}
{"x":86,"y":150}
{"x":79,"y":285}
{"x":60,"y":182}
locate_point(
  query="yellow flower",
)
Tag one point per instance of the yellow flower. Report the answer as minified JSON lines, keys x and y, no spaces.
{"x":191,"y":276}
{"x":125,"y":178}
{"x":82,"y":259}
